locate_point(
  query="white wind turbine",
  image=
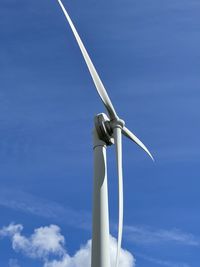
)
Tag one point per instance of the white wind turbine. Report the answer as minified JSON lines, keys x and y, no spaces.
{"x":107,"y":131}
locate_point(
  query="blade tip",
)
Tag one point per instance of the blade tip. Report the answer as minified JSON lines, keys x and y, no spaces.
{"x":152,"y":158}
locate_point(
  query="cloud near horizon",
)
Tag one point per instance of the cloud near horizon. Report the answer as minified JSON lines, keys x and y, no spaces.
{"x":48,"y":245}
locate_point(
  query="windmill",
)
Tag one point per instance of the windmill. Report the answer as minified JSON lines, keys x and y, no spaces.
{"x":107,"y":131}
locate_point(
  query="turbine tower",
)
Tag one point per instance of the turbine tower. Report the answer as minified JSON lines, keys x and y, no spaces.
{"x":107,"y":131}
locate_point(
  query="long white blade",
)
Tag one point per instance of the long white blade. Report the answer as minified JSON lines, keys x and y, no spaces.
{"x":97,"y":81}
{"x":134,"y":138}
{"x":118,"y":144}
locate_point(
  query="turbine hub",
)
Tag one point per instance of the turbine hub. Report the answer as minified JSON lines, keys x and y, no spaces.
{"x":117,"y":123}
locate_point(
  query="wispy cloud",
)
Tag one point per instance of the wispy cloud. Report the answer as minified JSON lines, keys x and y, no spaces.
{"x":13,"y":263}
{"x":48,"y":245}
{"x":145,"y":235}
{"x":162,"y":262}
{"x":28,"y":203}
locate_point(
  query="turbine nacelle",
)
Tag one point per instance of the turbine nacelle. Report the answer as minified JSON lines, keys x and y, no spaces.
{"x":103,"y":127}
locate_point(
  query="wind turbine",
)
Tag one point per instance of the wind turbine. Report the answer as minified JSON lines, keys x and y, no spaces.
{"x":107,"y":131}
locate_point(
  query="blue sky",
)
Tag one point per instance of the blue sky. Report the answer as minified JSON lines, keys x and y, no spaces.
{"x":147,"y":54}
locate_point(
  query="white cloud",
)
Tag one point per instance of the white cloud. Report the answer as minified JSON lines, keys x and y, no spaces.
{"x":43,"y":242}
{"x":11,"y":230}
{"x":47,"y":242}
{"x":83,"y":257}
{"x":126,"y":258}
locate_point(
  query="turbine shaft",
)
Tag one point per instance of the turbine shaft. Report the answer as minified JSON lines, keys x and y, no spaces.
{"x":116,"y":125}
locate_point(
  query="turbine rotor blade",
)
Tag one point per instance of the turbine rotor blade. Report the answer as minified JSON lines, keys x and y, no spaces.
{"x":118,"y":144}
{"x":96,"y":79}
{"x":134,"y":138}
